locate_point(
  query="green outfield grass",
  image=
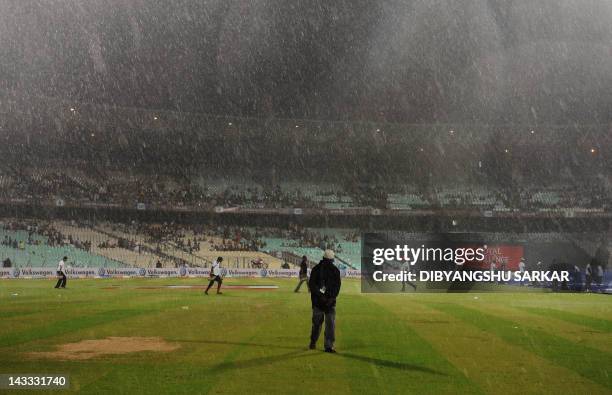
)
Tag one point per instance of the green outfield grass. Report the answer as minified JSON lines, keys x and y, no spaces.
{"x":248,"y":341}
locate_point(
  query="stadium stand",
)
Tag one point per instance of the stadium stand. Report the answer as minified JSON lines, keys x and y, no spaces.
{"x":34,"y":251}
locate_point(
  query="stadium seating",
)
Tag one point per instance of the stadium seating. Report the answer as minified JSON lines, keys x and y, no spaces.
{"x":348,"y":251}
{"x":406,"y":201}
{"x":468,"y":196}
{"x":278,"y":244}
{"x":45,"y":256}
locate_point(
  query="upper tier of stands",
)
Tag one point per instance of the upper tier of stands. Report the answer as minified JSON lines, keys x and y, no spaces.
{"x":112,"y":187}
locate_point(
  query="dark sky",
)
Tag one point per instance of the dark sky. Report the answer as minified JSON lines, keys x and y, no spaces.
{"x":420,"y":61}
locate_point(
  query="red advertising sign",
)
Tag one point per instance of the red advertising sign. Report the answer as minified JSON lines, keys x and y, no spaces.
{"x":505,"y":257}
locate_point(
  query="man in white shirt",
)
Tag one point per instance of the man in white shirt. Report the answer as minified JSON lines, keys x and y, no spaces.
{"x":588,"y":277}
{"x":61,"y":273}
{"x":215,"y":275}
{"x":493,"y":269}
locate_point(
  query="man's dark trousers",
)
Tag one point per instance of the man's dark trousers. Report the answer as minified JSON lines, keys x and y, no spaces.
{"x":318,"y":316}
{"x":61,"y":281}
{"x":302,"y":280}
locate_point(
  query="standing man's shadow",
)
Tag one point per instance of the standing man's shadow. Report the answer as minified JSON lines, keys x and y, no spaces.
{"x":303,"y":353}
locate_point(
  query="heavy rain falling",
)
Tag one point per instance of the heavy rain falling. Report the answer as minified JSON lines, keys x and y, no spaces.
{"x":208,"y":196}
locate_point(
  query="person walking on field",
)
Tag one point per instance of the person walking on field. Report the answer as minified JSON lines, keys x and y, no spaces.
{"x":324,"y":286}
{"x":61,"y":273}
{"x":600,"y":275}
{"x":407,"y":267}
{"x":588,"y":277}
{"x":303,"y":274}
{"x":521,"y":267}
{"x":215,"y":275}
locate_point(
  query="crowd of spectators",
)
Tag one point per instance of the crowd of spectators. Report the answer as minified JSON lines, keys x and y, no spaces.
{"x":38,"y":234}
{"x":232,"y":238}
{"x":80,"y":187}
{"x":41,"y":234}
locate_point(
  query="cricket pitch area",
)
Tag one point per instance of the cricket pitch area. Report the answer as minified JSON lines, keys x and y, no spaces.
{"x":165,"y":336}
